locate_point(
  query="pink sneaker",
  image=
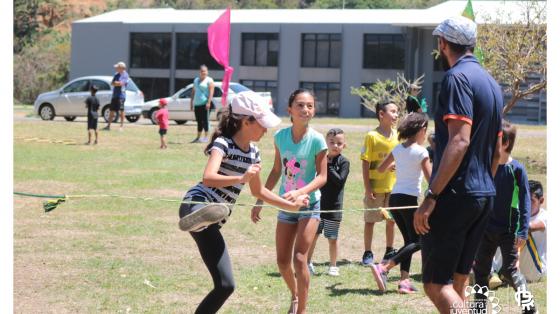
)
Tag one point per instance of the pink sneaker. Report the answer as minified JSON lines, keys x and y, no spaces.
{"x":406,"y":287}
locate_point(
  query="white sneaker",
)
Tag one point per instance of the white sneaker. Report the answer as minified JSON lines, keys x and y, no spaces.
{"x":203,"y":140}
{"x":311,"y":269}
{"x":203,"y":217}
{"x":333,"y":271}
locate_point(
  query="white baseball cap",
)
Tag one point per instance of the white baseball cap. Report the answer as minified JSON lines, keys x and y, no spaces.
{"x":250,"y":103}
{"x":120,"y":65}
{"x":458,"y":29}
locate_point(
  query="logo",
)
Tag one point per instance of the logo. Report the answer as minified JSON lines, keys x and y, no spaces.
{"x":478,"y":306}
{"x":524,"y":298}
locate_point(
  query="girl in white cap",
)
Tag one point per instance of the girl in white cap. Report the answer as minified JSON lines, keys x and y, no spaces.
{"x":233,"y":161}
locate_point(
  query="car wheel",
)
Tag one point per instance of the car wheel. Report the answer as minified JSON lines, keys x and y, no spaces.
{"x":70,"y":118}
{"x":106,"y":112}
{"x":132,"y":119}
{"x":180,"y":121}
{"x":46,"y":112}
{"x":153,"y":115}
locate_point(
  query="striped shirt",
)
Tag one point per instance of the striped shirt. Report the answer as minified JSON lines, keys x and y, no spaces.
{"x":235,"y":162}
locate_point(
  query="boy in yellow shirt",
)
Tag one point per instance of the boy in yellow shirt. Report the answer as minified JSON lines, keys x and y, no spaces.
{"x":377,"y":145}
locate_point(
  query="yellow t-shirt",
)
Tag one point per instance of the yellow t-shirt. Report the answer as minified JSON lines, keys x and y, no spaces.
{"x":376,"y":148}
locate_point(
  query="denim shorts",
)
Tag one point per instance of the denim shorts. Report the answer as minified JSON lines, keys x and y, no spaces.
{"x":293,"y":218}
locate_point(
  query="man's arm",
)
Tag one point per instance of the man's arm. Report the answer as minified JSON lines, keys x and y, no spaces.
{"x":497,"y":155}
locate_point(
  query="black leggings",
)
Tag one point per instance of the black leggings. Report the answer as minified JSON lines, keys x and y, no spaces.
{"x":214,"y":253}
{"x":405,"y":221}
{"x":201,"y":115}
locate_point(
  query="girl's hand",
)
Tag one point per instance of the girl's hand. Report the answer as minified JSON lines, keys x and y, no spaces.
{"x":252,"y":171}
{"x":370,"y":195}
{"x":292,"y":195}
{"x":302,"y":201}
{"x":519,"y":242}
{"x":256,"y":214}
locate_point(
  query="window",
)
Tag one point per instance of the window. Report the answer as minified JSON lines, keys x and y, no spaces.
{"x":263,"y":86}
{"x":320,"y":50}
{"x":182,"y":83}
{"x":153,"y":87}
{"x":101,"y":85}
{"x":327,"y":97}
{"x":237,"y":88}
{"x":78,"y":86}
{"x":131,"y":86}
{"x":186,"y":93}
{"x":383,"y":51}
{"x":150,"y":50}
{"x":192,"y":52}
{"x":260,"y":49}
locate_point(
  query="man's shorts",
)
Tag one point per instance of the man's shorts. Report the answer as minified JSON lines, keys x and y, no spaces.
{"x":381,"y":200}
{"x":92,"y":123}
{"x":162,"y":132}
{"x":329,"y":228}
{"x":293,"y":218}
{"x":117,"y":104}
{"x":457,"y":226}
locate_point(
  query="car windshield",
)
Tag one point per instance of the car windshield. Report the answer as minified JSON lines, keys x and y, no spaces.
{"x":238,"y":88}
{"x":131,"y":86}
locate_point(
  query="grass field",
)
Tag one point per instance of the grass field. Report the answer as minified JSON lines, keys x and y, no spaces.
{"x":128,"y":256}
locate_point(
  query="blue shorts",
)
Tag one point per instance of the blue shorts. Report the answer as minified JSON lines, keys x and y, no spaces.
{"x":290,"y":218}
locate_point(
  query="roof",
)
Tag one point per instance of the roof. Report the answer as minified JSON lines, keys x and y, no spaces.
{"x":398,"y":17}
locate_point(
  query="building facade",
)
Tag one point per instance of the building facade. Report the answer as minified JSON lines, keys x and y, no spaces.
{"x":327,"y":51}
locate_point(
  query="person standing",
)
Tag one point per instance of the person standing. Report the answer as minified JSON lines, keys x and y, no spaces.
{"x":119,"y":82}
{"x":92,"y":106}
{"x":201,"y":99}
{"x":453,"y":216}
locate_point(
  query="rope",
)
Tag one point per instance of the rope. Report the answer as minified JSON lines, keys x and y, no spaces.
{"x":47,"y":140}
{"x":59,"y":199}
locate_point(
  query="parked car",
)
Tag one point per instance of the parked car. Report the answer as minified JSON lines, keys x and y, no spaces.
{"x":69,"y":100}
{"x":179,"y":108}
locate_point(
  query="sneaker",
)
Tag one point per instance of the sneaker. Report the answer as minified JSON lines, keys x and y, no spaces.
{"x":380,"y":277}
{"x":293,"y":306}
{"x":107,"y":128}
{"x":388,"y":255}
{"x":495,"y":281}
{"x":196,"y":140}
{"x":311,"y":268}
{"x":203,"y":217}
{"x":367,"y":258}
{"x":406,"y":287}
{"x":203,"y":140}
{"x":333,"y":271}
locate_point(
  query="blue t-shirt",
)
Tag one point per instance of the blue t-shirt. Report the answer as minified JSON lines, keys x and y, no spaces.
{"x":512,"y":205}
{"x":298,"y":160}
{"x":120,"y":91}
{"x":470,"y":94}
{"x":202,"y":90}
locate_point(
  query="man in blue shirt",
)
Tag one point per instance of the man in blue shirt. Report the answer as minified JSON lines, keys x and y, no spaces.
{"x":452,"y":218}
{"x":120,"y":79}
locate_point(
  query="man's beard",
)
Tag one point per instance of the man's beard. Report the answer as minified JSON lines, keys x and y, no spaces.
{"x":443,"y":61}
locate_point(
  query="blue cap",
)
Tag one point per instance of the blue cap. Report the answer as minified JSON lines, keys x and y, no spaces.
{"x":459,"y":30}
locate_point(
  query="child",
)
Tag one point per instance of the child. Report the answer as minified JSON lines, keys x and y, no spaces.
{"x":332,"y":194}
{"x":92,"y":105}
{"x":532,"y":260}
{"x":508,"y":221}
{"x":162,"y":116}
{"x":377,"y":145}
{"x":233,"y":161}
{"x":432,"y":148}
{"x":411,"y":161}
{"x":301,"y":160}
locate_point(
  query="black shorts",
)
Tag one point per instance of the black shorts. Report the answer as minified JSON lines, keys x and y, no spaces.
{"x":162,"y":132}
{"x":117,"y":104}
{"x":92,"y":123}
{"x":457,"y":225}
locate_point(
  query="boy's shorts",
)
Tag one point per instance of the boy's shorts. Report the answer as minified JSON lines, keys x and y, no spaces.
{"x":91,"y":123}
{"x":117,"y":104}
{"x":329,"y":228}
{"x":457,"y":226}
{"x":381,"y":200}
{"x":162,"y":132}
{"x":294,"y":218}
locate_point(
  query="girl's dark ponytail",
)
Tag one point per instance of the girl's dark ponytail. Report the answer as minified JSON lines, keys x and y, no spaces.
{"x":227,"y":127}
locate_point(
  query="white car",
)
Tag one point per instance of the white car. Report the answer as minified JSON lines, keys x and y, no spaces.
{"x":179,"y":108}
{"x":69,"y":100}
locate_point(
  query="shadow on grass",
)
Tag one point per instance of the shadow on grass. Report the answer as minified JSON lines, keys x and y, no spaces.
{"x":334,"y":291}
{"x":343,"y":262}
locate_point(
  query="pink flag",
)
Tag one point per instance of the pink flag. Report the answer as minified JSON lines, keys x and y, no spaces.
{"x":218,"y":45}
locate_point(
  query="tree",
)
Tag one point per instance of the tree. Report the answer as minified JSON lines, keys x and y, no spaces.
{"x":514,"y":50}
{"x":392,"y":91}
{"x":25,"y":22}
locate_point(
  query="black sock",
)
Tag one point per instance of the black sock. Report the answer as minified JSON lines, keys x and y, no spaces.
{"x":388,"y":249}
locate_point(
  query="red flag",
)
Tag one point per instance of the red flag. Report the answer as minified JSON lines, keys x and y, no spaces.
{"x":218,"y":45}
